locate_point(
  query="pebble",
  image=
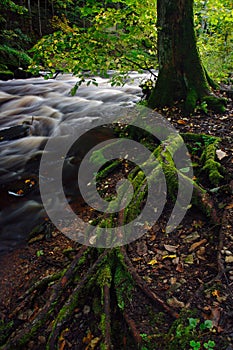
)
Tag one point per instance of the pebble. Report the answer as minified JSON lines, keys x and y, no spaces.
{"x":228,"y":252}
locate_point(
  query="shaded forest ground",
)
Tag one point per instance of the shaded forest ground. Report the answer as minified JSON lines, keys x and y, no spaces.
{"x":187,"y":273}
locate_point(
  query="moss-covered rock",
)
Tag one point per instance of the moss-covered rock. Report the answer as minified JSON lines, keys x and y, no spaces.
{"x":13,"y":58}
{"x":6,"y":75}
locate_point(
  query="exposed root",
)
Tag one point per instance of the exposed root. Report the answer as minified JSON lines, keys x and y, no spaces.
{"x":132,"y":326}
{"x":66,"y":311}
{"x":144,"y":287}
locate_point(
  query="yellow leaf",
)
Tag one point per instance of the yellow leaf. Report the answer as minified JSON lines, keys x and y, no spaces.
{"x":216,"y":293}
{"x":152,"y":262}
{"x":136,"y":259}
{"x":20,"y":192}
{"x":169,"y":256}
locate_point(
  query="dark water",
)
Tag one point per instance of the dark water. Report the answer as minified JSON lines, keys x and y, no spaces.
{"x":47,"y":108}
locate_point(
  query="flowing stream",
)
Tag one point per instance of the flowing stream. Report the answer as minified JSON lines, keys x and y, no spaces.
{"x":45,"y":108}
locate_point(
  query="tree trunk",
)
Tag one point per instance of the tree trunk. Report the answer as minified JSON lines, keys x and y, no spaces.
{"x":181,"y":74}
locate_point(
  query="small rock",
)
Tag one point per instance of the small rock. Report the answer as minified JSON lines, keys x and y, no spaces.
{"x":228,"y":252}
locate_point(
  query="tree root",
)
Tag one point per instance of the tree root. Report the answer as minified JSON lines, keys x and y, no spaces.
{"x":107,"y":272}
{"x":66,"y":311}
{"x":143,"y":286}
{"x":132,"y":326}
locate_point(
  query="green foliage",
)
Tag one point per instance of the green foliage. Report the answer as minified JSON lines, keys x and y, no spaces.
{"x":189,"y":333}
{"x":120,"y":37}
{"x":10,"y":5}
{"x":214,"y":21}
{"x":96,"y":37}
{"x":15,"y":38}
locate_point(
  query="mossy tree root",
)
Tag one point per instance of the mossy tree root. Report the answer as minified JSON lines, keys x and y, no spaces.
{"x":67,"y":310}
{"x":23,"y":334}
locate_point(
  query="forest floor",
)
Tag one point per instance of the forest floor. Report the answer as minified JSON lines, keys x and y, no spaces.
{"x":191,"y":269}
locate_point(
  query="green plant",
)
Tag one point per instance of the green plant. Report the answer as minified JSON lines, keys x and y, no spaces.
{"x":189,"y":333}
{"x":39,"y":253}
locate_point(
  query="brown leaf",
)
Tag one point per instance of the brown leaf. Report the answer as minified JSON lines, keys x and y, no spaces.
{"x":64,"y":281}
{"x":62,"y":345}
{"x":180,"y":268}
{"x":181,"y":121}
{"x":174,"y":302}
{"x":170,"y":248}
{"x":197,"y":244}
{"x":229,"y":206}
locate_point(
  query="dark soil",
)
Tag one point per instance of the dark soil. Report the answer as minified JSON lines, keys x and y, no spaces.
{"x":190,"y":269}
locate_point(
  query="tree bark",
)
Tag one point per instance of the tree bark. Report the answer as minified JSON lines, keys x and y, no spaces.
{"x":181,"y":74}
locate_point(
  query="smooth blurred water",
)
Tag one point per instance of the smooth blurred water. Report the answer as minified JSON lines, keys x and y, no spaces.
{"x":49,"y":109}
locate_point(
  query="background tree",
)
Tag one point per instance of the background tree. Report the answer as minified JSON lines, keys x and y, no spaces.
{"x":181,"y":74}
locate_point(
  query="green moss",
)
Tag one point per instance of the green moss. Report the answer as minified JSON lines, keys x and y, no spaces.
{"x":104,"y":278}
{"x":106,"y":170}
{"x":6,"y":75}
{"x":191,"y":101}
{"x":102,"y":324}
{"x":124,"y":285}
{"x":216,"y":104}
{"x":5,"y":330}
{"x":14,"y":58}
{"x":210,"y":166}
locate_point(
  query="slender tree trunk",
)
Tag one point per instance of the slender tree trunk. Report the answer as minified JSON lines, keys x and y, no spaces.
{"x":30,"y":15}
{"x":39,"y":18}
{"x":181,"y":74}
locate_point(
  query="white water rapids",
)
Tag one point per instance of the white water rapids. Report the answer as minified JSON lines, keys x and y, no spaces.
{"x":49,"y":109}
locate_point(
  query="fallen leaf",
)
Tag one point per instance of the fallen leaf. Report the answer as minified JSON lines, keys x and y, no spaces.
{"x":152,"y":262}
{"x":229,"y":206}
{"x":170,"y":248}
{"x":169,"y":256}
{"x":174,"y":302}
{"x":62,"y":345}
{"x":189,"y":259}
{"x":197,"y":244}
{"x":92,"y":240}
{"x":192,"y":237}
{"x":180,"y":268}
{"x":64,"y":280}
{"x":181,"y":121}
{"x":221,"y":154}
{"x":136,"y":259}
{"x":215,"y":318}
{"x":88,"y":338}
{"x":229,"y":259}
{"x":94,"y":342}
{"x":216,"y":293}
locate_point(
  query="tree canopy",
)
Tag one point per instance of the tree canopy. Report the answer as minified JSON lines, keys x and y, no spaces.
{"x":121,"y":35}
